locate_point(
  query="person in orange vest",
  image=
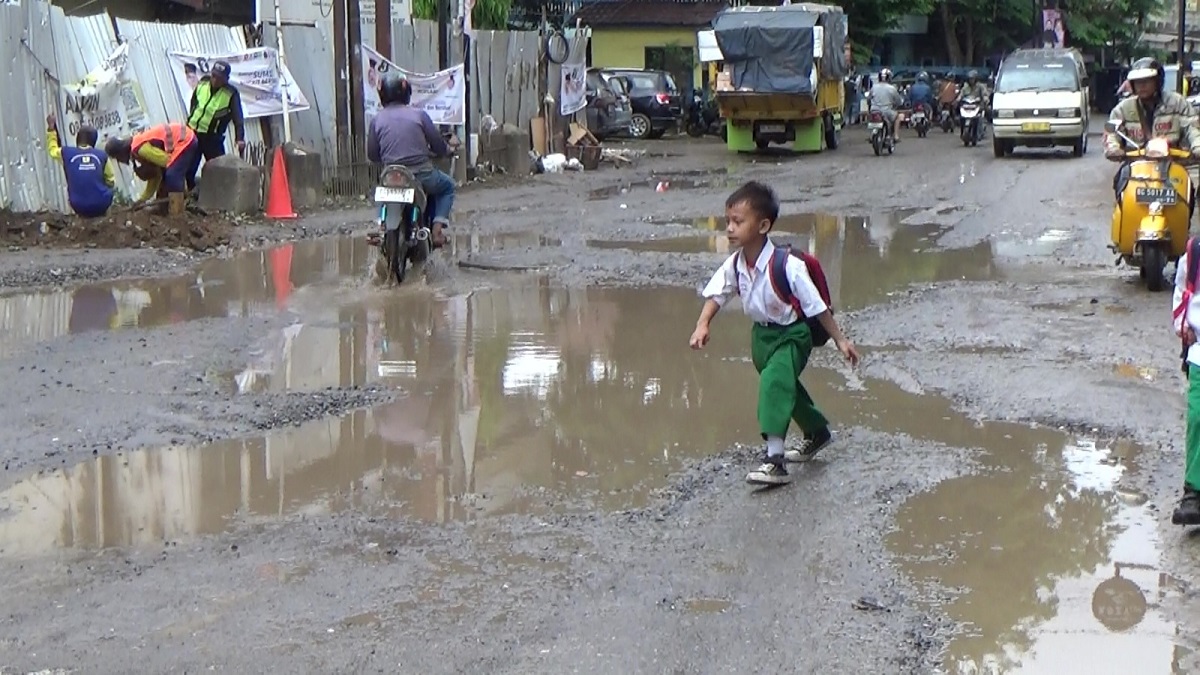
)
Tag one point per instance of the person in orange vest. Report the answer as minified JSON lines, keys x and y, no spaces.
{"x":166,"y":156}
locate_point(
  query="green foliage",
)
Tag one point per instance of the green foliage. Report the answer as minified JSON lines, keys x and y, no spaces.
{"x":975,"y":28}
{"x":1095,"y":23}
{"x":871,"y":19}
{"x":487,"y":15}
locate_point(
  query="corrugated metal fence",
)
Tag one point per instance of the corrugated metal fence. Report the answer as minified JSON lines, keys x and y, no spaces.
{"x":45,"y":49}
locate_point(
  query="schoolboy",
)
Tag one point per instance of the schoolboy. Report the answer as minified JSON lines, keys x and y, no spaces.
{"x":1186,"y":319}
{"x":781,"y":341}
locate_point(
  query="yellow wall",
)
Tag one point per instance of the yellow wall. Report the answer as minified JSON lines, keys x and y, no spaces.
{"x":626,"y":47}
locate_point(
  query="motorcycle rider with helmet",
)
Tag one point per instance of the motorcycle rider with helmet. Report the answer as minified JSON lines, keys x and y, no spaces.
{"x":1151,"y":112}
{"x":976,"y":89}
{"x":920,"y":94}
{"x":404,"y":135}
{"x":886,"y":100}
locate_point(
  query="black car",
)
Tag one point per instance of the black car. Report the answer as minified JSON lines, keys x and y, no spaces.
{"x":608,"y":109}
{"x":657,"y":102}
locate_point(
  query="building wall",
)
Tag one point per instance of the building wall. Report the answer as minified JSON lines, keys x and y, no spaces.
{"x":626,"y":47}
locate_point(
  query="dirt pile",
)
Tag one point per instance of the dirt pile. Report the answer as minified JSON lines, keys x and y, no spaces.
{"x":117,"y":230}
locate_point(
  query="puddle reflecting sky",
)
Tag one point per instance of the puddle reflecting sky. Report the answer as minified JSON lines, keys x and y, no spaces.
{"x":248,"y":283}
{"x":584,"y":393}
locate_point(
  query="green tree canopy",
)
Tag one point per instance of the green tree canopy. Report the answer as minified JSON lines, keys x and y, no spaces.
{"x":487,"y":15}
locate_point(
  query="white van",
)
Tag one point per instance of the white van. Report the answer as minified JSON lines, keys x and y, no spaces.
{"x":1041,"y":101}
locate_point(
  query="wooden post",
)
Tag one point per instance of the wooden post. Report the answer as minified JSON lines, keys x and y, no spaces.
{"x":354,"y":57}
{"x":383,"y":28}
{"x":341,"y":102}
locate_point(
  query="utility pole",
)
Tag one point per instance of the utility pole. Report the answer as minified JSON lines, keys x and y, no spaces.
{"x":341,"y":69}
{"x":354,"y":55}
{"x":383,"y":28}
{"x":1182,"y":49}
{"x":443,"y":15}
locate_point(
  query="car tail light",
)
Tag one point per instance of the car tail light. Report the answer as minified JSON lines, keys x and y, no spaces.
{"x":394,"y":179}
{"x":663,"y":99}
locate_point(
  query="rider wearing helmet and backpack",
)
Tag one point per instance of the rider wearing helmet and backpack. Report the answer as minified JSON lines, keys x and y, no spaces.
{"x":1151,"y":112}
{"x":404,"y":135}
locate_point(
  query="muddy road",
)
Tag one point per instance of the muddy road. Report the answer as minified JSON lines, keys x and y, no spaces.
{"x":261,"y":460}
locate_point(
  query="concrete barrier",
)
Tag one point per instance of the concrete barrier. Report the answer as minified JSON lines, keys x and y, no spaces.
{"x":230,"y":185}
{"x":305,"y":175}
{"x":507,"y":148}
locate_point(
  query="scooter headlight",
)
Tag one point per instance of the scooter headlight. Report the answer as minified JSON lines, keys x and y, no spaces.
{"x":1157,"y":148}
{"x":1156,"y":208}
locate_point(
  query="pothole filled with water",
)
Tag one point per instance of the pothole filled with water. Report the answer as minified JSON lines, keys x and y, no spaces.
{"x":664,"y":183}
{"x":248,"y":283}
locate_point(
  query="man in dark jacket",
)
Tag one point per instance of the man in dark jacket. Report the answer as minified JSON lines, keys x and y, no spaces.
{"x":216,"y":103}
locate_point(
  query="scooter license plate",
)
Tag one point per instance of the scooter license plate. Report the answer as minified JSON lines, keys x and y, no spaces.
{"x":875,"y":125}
{"x":391,"y":195}
{"x":917,"y":117}
{"x":1164,"y":196}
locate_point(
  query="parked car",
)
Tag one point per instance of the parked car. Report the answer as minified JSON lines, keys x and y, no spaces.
{"x":657,"y":102}
{"x":609,"y":111}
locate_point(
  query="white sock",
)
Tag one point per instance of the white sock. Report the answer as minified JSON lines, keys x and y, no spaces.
{"x":774,"y":446}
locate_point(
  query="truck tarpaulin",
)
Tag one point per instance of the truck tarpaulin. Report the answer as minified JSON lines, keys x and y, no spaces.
{"x":768,"y":51}
{"x":833,"y":63}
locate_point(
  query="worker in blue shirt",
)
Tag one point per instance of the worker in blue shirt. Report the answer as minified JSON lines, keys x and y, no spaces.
{"x":90,"y":178}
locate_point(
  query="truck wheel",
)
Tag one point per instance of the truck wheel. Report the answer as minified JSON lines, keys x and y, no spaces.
{"x":831,"y":134}
{"x":1080,"y":146}
{"x":761,"y":145}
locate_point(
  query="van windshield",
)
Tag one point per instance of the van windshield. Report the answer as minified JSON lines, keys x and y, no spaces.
{"x":1037,"y":77}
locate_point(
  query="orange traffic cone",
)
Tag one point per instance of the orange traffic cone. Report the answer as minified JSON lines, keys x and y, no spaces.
{"x":279,"y":195}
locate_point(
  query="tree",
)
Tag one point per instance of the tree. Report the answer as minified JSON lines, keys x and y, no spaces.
{"x":870,"y":20}
{"x":1117,"y":23}
{"x":487,"y":15}
{"x":972,"y":28}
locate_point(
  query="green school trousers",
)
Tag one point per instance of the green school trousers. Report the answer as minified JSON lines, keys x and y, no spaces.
{"x":1191,"y":471}
{"x":780,"y":354}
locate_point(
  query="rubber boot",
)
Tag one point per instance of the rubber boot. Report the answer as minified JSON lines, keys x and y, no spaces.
{"x":1188,"y":511}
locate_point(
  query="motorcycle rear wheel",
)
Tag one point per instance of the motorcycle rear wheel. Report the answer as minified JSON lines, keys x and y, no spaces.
{"x":876,"y":145}
{"x":1154,"y":261}
{"x":396,"y":252}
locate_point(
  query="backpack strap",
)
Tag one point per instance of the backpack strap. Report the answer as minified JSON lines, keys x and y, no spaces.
{"x":1189,"y":287}
{"x":779,"y":279}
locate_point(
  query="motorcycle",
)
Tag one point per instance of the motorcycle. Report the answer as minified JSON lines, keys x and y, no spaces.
{"x":920,"y":120}
{"x":405,"y":222}
{"x":946,"y":118}
{"x":704,"y":117}
{"x":881,"y":134}
{"x":971,"y":113}
{"x":1150,"y":222}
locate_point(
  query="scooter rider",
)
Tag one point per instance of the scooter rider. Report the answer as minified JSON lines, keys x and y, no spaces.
{"x":886,"y":100}
{"x":921,"y":94}
{"x":1151,"y":112}
{"x":404,"y":135}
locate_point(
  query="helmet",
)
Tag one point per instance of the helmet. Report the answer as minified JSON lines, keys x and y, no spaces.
{"x":885,"y":75}
{"x":1146,"y":68}
{"x":973,"y":75}
{"x":922,"y":76}
{"x":393,"y":88}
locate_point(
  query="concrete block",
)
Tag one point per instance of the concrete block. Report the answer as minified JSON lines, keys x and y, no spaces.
{"x":230,"y":185}
{"x":508,"y":148}
{"x":305,"y":175}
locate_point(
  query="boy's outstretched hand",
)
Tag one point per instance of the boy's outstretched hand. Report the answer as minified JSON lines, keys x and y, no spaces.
{"x":847,"y":349}
{"x":699,"y":337}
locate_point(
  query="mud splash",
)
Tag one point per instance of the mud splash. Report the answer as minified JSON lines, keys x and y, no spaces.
{"x":247,"y":283}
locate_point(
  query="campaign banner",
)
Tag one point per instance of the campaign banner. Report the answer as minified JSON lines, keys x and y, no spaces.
{"x":442,"y":94}
{"x":106,"y":99}
{"x":572,"y":95}
{"x":255,"y":73}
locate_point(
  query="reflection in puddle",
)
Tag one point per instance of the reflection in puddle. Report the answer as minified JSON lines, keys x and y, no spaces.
{"x":1010,"y":244}
{"x":664,"y":183}
{"x":1031,"y":546}
{"x":245,"y":284}
{"x":474,"y":242}
{"x":882,"y":255}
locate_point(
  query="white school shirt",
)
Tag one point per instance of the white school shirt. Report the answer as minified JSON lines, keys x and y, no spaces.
{"x":1193,"y":310}
{"x":759,"y":299}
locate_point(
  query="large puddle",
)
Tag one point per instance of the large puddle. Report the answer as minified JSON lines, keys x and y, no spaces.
{"x":251,"y":282}
{"x":542,"y":398}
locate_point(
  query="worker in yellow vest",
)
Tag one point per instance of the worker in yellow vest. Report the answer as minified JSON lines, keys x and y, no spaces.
{"x":216,"y":103}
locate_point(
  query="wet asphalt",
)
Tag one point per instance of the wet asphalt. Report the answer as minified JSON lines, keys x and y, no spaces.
{"x":517,"y":466}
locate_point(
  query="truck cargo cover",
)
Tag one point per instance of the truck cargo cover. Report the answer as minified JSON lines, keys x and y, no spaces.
{"x":769,"y":51}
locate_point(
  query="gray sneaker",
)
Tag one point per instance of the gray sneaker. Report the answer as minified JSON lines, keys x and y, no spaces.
{"x":771,"y":472}
{"x":810,"y":447}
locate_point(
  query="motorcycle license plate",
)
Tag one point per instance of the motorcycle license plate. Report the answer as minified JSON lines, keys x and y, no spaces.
{"x":1035,"y":127}
{"x":770,"y":129}
{"x":875,"y":125}
{"x":391,"y":195}
{"x":919,"y":117}
{"x":1164,"y":196}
